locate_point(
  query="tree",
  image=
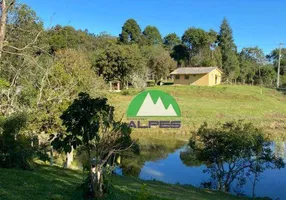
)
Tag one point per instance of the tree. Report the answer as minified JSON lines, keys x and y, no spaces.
{"x":159,"y":62}
{"x":251,"y":60}
{"x":6,"y":5}
{"x":230,"y":62}
{"x":152,"y":35}
{"x":21,"y":59}
{"x":196,"y":39}
{"x":119,"y":62}
{"x":90,"y":124}
{"x":61,"y":37}
{"x":171,"y":40}
{"x":273,"y":57}
{"x":247,"y":71}
{"x":180,"y":53}
{"x":266,"y":75}
{"x":131,"y":32}
{"x":253,"y":54}
{"x":233,"y":151}
{"x":202,"y":47}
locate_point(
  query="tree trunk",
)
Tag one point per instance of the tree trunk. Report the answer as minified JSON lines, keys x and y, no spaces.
{"x":253,"y":188}
{"x":51,"y":156}
{"x":69,"y":159}
{"x":4,"y":10}
{"x":98,"y":181}
{"x":226,"y":187}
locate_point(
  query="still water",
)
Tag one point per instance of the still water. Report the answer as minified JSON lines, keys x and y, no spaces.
{"x":171,"y":169}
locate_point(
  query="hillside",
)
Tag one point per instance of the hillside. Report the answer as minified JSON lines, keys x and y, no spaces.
{"x":49,"y":183}
{"x":265,"y":107}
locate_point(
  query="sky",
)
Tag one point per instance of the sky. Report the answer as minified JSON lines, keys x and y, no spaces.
{"x":254,"y":22}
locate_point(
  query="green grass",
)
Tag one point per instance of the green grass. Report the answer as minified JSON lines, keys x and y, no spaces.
{"x":53,"y":183}
{"x":265,"y":107}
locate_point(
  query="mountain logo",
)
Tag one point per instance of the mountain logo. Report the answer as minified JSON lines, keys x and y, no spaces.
{"x":153,"y":103}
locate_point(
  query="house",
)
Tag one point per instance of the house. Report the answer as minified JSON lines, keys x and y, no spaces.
{"x":201,"y":76}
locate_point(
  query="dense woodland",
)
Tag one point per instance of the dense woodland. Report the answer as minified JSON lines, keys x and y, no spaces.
{"x":42,"y":70}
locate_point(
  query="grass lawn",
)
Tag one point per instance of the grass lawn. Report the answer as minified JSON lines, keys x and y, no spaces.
{"x":53,"y":183}
{"x":265,"y":107}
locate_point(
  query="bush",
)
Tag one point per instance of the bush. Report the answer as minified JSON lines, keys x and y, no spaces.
{"x":150,"y":83}
{"x":125,"y":92}
{"x":283,"y":81}
{"x":15,"y":150}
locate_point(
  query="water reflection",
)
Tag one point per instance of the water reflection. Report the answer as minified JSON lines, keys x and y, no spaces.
{"x":173,"y":162}
{"x":151,"y":150}
{"x":279,"y":149}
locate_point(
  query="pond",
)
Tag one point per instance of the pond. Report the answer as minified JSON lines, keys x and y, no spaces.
{"x":168,"y":167}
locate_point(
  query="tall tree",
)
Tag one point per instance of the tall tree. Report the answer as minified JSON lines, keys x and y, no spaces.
{"x":202,"y":47}
{"x":152,"y":35}
{"x":230,"y":62}
{"x":131,"y":32}
{"x":196,"y":39}
{"x":171,"y":40}
{"x":5,"y":7}
{"x":22,"y":55}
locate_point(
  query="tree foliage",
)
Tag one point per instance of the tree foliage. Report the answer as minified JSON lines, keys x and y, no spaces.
{"x":230,"y":63}
{"x":232,"y":152}
{"x":15,"y":149}
{"x":254,"y":68}
{"x":273,"y":57}
{"x":180,"y":53}
{"x":152,"y":36}
{"x":159,"y":62}
{"x":67,"y":37}
{"x":119,"y":62}
{"x":171,"y":40}
{"x":90,"y":124}
{"x":131,"y":32}
{"x":203,"y":50}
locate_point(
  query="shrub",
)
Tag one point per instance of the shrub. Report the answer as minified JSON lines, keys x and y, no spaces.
{"x":150,"y":83}
{"x":283,"y":81}
{"x":15,"y":150}
{"x":125,"y":92}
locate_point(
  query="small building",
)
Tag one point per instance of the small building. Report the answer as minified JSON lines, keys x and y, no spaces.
{"x":114,"y":86}
{"x":201,"y":76}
